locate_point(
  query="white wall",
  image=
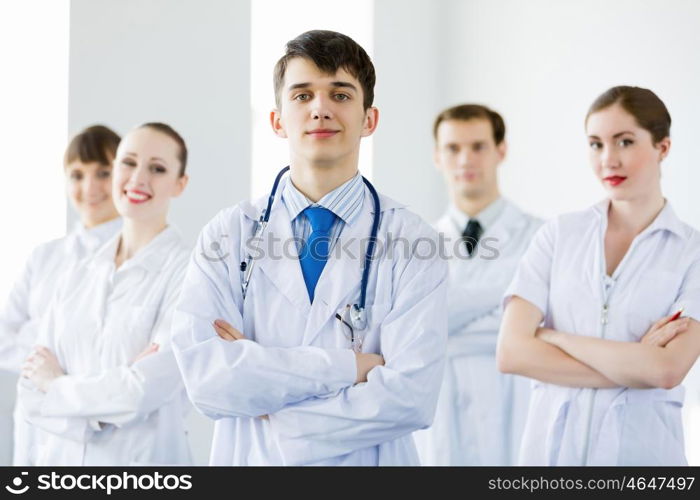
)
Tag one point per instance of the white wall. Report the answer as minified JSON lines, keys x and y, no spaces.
{"x":33,"y":92}
{"x":269,"y":35}
{"x":408,"y":58}
{"x":183,"y":62}
{"x":542,"y":62}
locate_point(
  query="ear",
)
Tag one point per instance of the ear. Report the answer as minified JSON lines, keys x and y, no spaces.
{"x":664,"y":147}
{"x":436,"y":158}
{"x":502,"y":149}
{"x":371,"y":122}
{"x":276,"y":122}
{"x":180,"y":185}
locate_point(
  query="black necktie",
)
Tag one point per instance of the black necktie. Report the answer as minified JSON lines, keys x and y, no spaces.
{"x":471,"y":235}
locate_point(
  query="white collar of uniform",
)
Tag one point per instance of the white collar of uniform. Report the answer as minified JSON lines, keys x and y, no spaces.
{"x":666,"y":220}
{"x":94,"y":237}
{"x":152,"y":257}
{"x":487,"y":217}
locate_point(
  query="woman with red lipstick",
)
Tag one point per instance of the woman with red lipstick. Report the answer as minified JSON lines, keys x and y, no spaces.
{"x":88,"y":169}
{"x":590,"y":312}
{"x":103,"y":382}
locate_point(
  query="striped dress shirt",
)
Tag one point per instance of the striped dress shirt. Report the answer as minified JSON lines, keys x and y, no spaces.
{"x":345,"y":202}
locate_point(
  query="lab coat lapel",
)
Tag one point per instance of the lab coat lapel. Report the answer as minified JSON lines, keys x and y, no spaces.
{"x":444,"y":225}
{"x":281,"y":265}
{"x":342,"y":273}
{"x":450,"y":235}
{"x":502,"y":230}
{"x":505,"y":225}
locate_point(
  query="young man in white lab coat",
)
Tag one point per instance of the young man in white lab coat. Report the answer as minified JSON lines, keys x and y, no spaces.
{"x":287,"y":374}
{"x":480,"y":412}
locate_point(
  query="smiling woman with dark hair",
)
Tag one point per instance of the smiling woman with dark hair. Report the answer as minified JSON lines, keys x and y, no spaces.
{"x":103,"y":382}
{"x":593,"y":312}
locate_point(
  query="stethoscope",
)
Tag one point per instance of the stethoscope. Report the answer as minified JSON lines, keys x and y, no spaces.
{"x":356,"y":312}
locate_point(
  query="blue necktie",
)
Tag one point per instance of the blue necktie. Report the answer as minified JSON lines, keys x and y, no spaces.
{"x":314,"y":253}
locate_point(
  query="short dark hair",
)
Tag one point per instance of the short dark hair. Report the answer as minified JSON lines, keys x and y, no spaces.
{"x":465,"y":112}
{"x":166,"y":129}
{"x":647,"y":109}
{"x":329,"y":51}
{"x":96,"y":143}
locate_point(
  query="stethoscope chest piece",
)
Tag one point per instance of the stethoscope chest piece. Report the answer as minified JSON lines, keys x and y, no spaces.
{"x":358,"y":317}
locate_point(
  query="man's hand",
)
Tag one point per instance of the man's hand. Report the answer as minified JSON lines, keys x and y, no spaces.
{"x":42,"y":367}
{"x":226,"y":331}
{"x":365,"y":362}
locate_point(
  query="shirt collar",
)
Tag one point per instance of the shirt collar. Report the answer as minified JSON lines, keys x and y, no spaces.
{"x":345,"y":201}
{"x":666,"y":220}
{"x":487,"y":217}
{"x":94,"y":237}
{"x":152,"y":257}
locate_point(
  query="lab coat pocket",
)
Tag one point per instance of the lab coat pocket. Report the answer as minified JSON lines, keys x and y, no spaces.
{"x":652,"y":298}
{"x":478,"y":406}
{"x":555,"y":434}
{"x":650,"y":427}
{"x":545,"y":429}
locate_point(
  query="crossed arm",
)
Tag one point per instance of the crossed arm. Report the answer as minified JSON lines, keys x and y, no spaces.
{"x":661,"y":358}
{"x":315,"y":405}
{"x":74,"y":404}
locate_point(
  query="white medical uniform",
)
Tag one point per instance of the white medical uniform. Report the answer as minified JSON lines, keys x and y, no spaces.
{"x":563,"y":273}
{"x":106,"y":410}
{"x":481,"y":412}
{"x":28,"y":301}
{"x":296,"y":365}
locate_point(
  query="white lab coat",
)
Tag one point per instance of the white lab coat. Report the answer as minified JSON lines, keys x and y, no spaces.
{"x":296,"y":364}
{"x":27,"y":303}
{"x":106,"y":410}
{"x":563,"y":274}
{"x":480,"y":412}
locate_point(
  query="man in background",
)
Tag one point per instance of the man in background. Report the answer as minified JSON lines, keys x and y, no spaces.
{"x":480,"y":411}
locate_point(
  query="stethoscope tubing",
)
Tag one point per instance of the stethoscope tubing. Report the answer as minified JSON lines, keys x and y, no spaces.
{"x":358,"y":309}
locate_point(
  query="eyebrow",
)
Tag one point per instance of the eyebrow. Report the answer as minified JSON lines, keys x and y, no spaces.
{"x":466,"y":143}
{"x":304,"y":85}
{"x":151,"y":158}
{"x":619,"y":134}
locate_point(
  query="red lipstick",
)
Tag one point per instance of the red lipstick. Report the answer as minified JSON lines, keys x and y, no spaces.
{"x":615,"y":180}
